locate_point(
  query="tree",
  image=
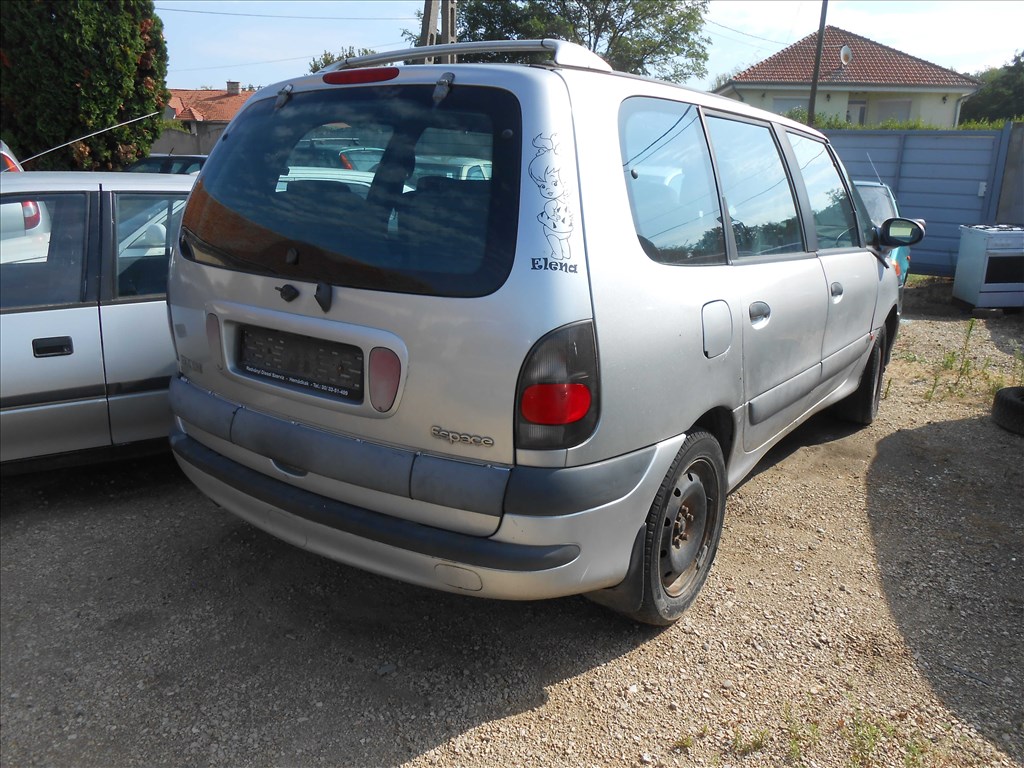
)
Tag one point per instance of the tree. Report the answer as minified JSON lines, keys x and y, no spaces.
{"x":653,"y":37}
{"x":1002,"y":94}
{"x":724,"y":77}
{"x":72,"y":67}
{"x":327,"y":58}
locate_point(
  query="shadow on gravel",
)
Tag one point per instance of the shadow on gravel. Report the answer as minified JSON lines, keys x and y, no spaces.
{"x":947,"y":518}
{"x":141,"y":626}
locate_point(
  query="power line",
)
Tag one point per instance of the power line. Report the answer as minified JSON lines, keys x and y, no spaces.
{"x":247,"y":64}
{"x":260,"y":63}
{"x":274,"y":16}
{"x":741,"y":32}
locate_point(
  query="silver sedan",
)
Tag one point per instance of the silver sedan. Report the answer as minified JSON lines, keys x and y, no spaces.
{"x":86,"y":349}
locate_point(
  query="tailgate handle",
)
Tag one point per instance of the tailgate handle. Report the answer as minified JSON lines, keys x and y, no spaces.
{"x":54,"y":346}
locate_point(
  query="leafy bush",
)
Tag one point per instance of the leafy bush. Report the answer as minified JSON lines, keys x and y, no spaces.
{"x":75,"y":67}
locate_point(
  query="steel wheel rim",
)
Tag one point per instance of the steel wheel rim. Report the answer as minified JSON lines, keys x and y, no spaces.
{"x":687,"y":528}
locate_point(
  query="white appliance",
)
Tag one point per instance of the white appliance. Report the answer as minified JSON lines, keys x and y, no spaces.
{"x":990,"y":266}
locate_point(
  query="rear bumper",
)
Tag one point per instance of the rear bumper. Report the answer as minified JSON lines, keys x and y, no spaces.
{"x":531,"y":556}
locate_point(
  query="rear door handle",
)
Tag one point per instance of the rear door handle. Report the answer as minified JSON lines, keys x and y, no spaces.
{"x":836,"y":289}
{"x":759,"y":313}
{"x":54,"y":346}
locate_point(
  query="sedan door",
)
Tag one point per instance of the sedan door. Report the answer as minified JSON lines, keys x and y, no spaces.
{"x":138,"y":351}
{"x":52,"y":394}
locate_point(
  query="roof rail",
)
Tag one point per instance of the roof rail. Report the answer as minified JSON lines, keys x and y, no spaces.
{"x":565,"y":53}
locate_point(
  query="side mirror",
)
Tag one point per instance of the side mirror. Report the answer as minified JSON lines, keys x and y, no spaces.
{"x":898,"y":232}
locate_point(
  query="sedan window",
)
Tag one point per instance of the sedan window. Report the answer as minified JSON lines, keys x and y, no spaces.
{"x":42,"y":250}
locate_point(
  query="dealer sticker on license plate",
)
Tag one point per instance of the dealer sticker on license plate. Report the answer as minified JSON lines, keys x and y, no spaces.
{"x":324,"y":367}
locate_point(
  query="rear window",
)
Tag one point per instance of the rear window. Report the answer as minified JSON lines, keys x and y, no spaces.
{"x":435,"y":212}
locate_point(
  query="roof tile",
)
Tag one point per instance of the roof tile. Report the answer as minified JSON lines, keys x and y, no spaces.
{"x":872,"y":64}
{"x":207,"y":104}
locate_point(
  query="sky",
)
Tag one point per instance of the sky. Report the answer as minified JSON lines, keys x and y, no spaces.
{"x":261,"y":42}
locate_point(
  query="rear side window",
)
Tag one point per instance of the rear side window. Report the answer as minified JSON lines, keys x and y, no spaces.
{"x":432,"y":209}
{"x":667,"y":168}
{"x":756,"y":189}
{"x":833,"y":212}
{"x":42,"y":249}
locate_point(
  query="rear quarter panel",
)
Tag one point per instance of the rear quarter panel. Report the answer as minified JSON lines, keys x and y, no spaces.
{"x":655,"y":378}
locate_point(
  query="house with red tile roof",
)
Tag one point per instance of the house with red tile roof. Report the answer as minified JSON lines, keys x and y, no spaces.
{"x":204,"y":113}
{"x":861,"y":81}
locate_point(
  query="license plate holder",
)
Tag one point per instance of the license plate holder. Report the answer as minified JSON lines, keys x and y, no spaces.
{"x":309,"y":364}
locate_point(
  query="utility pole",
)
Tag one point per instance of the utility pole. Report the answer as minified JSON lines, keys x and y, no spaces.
{"x":817,"y":64}
{"x":428,"y":31}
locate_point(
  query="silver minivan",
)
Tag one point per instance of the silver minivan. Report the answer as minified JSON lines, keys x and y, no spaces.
{"x":529,"y":383}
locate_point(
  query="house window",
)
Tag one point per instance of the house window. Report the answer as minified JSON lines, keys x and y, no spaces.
{"x":856,"y":112}
{"x":782,"y":106}
{"x":894,"y":109}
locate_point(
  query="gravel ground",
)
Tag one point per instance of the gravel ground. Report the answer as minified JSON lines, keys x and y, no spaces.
{"x":866,"y":609}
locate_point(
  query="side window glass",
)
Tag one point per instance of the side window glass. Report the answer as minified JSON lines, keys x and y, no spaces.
{"x":672,"y":196}
{"x":147,"y":225}
{"x":42,"y":250}
{"x":755,"y":188}
{"x":833,"y":212}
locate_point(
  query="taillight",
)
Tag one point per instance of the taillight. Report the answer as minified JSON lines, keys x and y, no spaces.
{"x":558,"y":394}
{"x":555,"y":403}
{"x":345,"y":162}
{"x":30,"y":210}
{"x":385,"y":372}
{"x":359,"y":76}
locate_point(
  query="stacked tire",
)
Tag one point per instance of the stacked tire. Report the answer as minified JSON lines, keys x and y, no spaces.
{"x":1008,"y":409}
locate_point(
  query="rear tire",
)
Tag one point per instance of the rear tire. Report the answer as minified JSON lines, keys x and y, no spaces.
{"x":861,"y":407}
{"x":684,"y":527}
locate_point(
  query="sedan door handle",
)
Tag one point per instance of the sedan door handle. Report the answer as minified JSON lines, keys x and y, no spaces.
{"x":836,"y":289}
{"x":54,"y":346}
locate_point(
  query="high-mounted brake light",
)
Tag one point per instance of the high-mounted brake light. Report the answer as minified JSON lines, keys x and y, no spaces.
{"x":359,"y":76}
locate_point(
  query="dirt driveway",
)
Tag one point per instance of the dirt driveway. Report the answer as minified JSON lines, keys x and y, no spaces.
{"x":866,"y":609}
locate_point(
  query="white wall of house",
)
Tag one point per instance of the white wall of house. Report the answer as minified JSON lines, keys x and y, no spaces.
{"x":876,"y":106}
{"x":199,"y":141}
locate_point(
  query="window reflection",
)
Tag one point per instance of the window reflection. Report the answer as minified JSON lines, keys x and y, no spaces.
{"x":833,"y":213}
{"x":667,"y":168}
{"x":756,"y":189}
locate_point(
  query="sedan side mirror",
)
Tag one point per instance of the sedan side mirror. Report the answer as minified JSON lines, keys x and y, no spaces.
{"x":898,"y":232}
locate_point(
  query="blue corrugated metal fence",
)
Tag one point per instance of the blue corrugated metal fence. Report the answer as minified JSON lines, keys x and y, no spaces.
{"x":948,"y":178}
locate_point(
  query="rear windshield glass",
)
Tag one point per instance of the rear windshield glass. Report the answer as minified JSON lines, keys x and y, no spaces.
{"x":373,"y":187}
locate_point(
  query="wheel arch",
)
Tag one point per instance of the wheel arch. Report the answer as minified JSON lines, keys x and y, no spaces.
{"x":720,"y":423}
{"x":892,"y":325}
